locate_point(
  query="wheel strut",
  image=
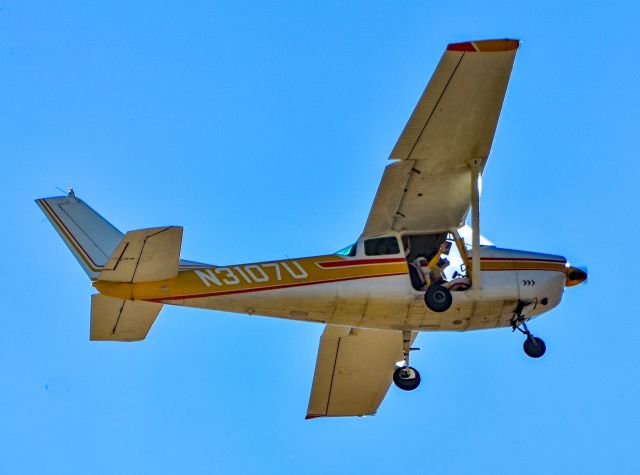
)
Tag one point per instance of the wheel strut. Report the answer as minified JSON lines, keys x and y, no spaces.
{"x":521,"y":325}
{"x":406,"y":348}
{"x":406,"y":377}
{"x":533,"y":346}
{"x":519,"y":321}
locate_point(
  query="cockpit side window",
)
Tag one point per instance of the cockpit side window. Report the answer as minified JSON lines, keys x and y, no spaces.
{"x":381,"y":246}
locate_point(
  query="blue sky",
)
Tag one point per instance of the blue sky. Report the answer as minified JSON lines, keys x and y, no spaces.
{"x":263,"y":129}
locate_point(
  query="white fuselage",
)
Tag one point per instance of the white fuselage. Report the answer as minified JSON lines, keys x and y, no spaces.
{"x":390,"y":302}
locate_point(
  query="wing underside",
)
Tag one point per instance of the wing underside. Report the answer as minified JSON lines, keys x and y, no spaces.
{"x":353,"y":371}
{"x":428,"y":188}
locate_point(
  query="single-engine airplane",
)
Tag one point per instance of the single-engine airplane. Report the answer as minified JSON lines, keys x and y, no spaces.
{"x":411,"y":270}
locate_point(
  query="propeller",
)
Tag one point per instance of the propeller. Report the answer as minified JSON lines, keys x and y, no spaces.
{"x":576,"y":275}
{"x":584,"y":269}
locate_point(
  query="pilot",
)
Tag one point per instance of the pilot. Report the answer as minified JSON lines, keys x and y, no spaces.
{"x":436,"y":275}
{"x":438,"y":264}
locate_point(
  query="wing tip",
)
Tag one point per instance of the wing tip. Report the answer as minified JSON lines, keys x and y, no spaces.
{"x":315,"y":416}
{"x":484,"y":46}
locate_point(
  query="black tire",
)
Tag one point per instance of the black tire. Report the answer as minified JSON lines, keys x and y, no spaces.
{"x":406,"y":379}
{"x":438,"y":298}
{"x":534,"y":347}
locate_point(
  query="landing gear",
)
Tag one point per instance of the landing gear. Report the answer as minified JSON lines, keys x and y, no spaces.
{"x":533,"y":346}
{"x":406,"y":377}
{"x":438,"y":298}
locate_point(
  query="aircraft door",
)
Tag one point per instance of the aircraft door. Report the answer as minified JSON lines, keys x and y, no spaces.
{"x":436,"y":258}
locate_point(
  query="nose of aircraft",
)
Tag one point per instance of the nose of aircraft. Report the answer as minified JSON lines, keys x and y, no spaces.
{"x":575,"y":276}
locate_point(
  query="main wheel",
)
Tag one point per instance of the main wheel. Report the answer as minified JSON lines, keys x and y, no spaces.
{"x":406,"y":379}
{"x":438,"y":298}
{"x":534,"y":347}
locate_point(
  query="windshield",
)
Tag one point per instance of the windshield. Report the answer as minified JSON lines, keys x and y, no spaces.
{"x":466,"y":233}
{"x":347,"y":251}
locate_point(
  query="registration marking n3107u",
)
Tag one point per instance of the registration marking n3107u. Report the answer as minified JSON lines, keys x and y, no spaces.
{"x":250,"y":273}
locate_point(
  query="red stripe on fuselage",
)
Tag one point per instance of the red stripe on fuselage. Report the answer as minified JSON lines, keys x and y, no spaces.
{"x":358,"y":262}
{"x":271,"y":287}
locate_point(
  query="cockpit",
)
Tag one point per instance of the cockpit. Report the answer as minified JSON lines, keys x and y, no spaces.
{"x":436,"y":258}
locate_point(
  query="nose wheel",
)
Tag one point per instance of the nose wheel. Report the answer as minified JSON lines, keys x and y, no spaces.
{"x":533,"y":346}
{"x":406,"y":377}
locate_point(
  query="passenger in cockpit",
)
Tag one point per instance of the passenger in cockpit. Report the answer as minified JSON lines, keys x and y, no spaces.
{"x":417,"y":272}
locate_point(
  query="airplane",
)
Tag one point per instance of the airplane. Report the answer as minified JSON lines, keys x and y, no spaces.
{"x":416,"y":267}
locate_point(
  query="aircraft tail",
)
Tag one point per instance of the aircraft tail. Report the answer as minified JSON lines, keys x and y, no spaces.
{"x":145,"y":255}
{"x":105,"y":254}
{"x":89,"y":237}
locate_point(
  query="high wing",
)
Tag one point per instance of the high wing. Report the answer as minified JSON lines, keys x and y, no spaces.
{"x":428,"y":188}
{"x":353,"y":370}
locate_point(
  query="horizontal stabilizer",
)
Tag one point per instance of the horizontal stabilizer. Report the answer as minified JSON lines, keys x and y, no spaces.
{"x":114,"y":319}
{"x":145,"y":255}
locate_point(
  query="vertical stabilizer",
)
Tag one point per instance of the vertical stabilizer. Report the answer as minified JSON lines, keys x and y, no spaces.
{"x":90,"y":237}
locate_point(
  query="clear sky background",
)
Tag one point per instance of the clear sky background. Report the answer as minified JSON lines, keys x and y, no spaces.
{"x":263,"y":129}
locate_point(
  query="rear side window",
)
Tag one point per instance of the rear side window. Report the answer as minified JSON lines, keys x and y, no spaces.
{"x":381,"y":246}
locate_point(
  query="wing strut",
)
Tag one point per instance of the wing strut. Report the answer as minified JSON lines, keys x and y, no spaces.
{"x":475,"y":167}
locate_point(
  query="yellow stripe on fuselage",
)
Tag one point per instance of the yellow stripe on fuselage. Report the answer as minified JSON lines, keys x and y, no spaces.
{"x":215,"y":281}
